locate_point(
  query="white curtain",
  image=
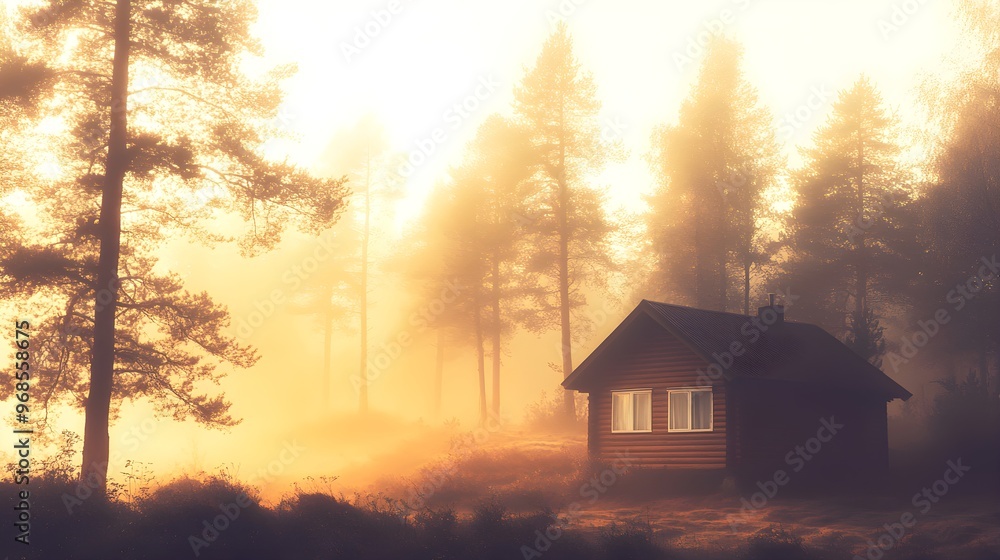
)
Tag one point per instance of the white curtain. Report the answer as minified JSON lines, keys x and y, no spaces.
{"x":643,"y":411}
{"x":621,"y":411}
{"x":701,"y":410}
{"x":678,"y":410}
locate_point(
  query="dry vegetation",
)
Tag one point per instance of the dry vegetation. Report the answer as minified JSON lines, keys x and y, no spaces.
{"x":491,"y":493}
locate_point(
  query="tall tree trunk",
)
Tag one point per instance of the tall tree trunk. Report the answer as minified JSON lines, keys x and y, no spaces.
{"x":96,"y":442}
{"x":720,"y":247}
{"x":363,"y":389}
{"x":562,"y":211}
{"x":701,"y":251}
{"x":480,"y":359}
{"x":495,"y":331}
{"x":861,"y":300}
{"x":439,"y":373}
{"x":327,"y":343}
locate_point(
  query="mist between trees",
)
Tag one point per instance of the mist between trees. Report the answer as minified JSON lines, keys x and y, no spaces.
{"x":521,"y":224}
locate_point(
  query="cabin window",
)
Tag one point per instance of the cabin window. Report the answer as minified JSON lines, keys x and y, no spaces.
{"x":632,"y":411}
{"x":689,"y":410}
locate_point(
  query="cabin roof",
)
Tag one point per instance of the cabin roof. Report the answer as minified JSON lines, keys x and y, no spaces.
{"x":790,"y":351}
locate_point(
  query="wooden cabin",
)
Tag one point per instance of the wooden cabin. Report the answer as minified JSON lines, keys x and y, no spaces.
{"x":675,"y":387}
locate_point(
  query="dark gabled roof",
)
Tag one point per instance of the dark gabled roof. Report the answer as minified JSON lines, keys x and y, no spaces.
{"x":793,"y":352}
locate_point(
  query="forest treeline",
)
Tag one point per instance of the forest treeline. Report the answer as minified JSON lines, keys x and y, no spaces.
{"x":161,"y":136}
{"x":863,"y":236}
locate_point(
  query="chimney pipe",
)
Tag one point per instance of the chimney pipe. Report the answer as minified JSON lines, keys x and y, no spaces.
{"x":771,"y":313}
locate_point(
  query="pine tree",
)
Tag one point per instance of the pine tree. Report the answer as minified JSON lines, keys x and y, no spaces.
{"x":846,"y":227}
{"x":499,"y":170}
{"x":557,"y":104}
{"x":473,"y":239}
{"x":715,"y":166}
{"x":141,"y":163}
{"x":959,"y":217}
{"x":429,"y":262}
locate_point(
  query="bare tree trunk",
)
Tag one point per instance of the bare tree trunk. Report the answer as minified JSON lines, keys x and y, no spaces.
{"x":363,"y":388}
{"x":700,"y":260}
{"x":562,"y":210}
{"x":480,"y":360}
{"x":495,"y":331}
{"x":567,"y":340}
{"x":721,"y":254}
{"x":96,"y":443}
{"x":861,"y":298}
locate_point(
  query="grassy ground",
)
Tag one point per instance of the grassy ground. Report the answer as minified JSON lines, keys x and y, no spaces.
{"x":508,"y":495}
{"x":692,"y":514}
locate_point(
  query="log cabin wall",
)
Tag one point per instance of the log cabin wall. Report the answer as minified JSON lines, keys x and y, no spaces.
{"x":775,"y":417}
{"x":659,"y":361}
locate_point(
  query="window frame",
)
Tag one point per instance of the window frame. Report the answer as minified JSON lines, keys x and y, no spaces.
{"x":689,"y":391}
{"x":632,"y":392}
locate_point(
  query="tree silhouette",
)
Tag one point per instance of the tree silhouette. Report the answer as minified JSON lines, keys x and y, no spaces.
{"x":496,"y":171}
{"x":959,"y":216}
{"x":455,"y":246}
{"x":331,"y":297}
{"x":469,"y":235}
{"x":714,"y":166}
{"x":142,"y":163}
{"x":436,"y":261}
{"x":362,"y":152}
{"x":847,"y":231}
{"x":557,"y":104}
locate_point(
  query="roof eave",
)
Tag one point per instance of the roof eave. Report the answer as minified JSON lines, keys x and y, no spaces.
{"x":572,"y":381}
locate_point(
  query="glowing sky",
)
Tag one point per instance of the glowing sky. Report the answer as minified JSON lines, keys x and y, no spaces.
{"x":423,"y":57}
{"x":431,"y":54}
